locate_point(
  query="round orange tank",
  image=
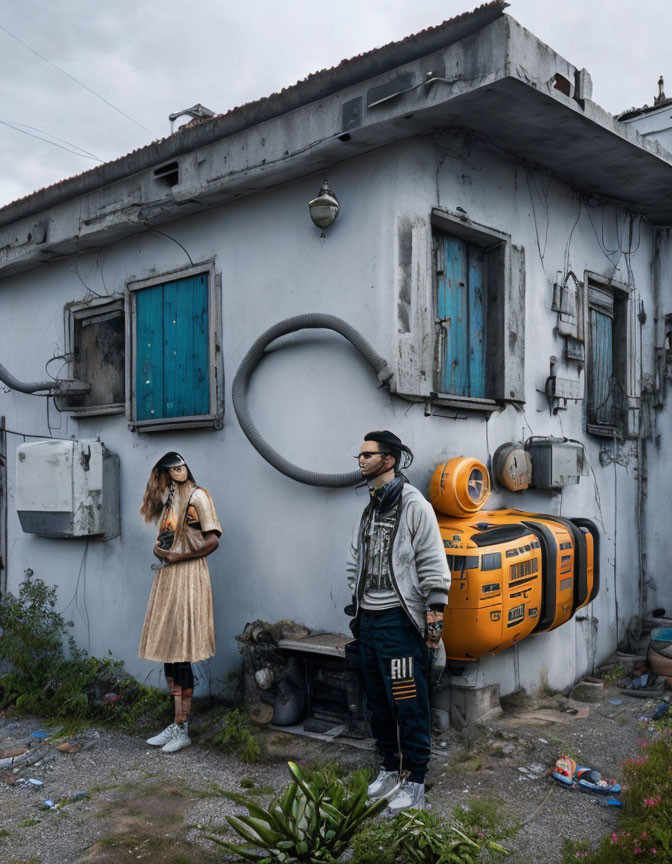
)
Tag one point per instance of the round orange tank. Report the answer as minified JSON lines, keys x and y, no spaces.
{"x":459,"y":487}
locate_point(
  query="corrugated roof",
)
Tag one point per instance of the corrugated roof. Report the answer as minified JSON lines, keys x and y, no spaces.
{"x":315,"y":86}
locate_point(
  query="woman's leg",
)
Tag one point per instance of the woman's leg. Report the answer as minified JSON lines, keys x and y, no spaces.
{"x":182,"y":690}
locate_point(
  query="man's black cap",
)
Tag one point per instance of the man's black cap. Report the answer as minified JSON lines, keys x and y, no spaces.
{"x":393,"y":443}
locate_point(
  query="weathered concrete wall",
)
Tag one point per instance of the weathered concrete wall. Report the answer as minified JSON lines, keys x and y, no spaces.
{"x":656,"y":508}
{"x":284,"y":545}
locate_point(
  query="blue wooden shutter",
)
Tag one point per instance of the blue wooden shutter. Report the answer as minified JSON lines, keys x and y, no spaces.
{"x":461,"y":312}
{"x":172,"y":377}
{"x":601,"y":397}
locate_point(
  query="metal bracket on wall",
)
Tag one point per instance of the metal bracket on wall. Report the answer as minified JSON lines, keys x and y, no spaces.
{"x":559,"y":391}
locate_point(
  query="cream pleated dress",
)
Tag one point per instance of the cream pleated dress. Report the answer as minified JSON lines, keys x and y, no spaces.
{"x":179,"y":624}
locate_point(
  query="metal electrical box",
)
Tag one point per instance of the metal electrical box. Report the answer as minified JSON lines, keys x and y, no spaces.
{"x":67,"y":489}
{"x":556,"y":462}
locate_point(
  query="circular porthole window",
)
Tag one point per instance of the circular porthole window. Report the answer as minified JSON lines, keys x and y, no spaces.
{"x":459,"y":487}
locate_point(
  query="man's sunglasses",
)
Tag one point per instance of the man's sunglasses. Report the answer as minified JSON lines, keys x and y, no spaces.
{"x":369,"y":455}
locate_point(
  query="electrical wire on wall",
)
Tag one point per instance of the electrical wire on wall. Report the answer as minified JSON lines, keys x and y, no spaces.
{"x":75,"y":597}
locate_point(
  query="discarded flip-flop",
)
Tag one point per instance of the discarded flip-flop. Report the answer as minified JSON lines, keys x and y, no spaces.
{"x":608,"y":788}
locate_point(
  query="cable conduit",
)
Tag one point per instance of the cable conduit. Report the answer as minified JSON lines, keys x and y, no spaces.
{"x":14,"y":384}
{"x":309,"y":321}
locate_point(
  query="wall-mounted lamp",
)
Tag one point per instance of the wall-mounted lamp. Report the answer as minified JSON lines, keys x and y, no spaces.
{"x":324,"y":209}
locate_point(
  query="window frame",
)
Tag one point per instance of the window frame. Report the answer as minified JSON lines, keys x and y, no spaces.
{"x":78,"y":310}
{"x":493,"y":243}
{"x":622,"y":352}
{"x":214,"y":418}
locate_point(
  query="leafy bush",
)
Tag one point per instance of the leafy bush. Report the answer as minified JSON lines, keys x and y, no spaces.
{"x":311,"y":821}
{"x":419,"y":836}
{"x":39,"y":676}
{"x":645,"y":829}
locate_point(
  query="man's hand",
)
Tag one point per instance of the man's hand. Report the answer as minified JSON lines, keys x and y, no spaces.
{"x":433,"y":628}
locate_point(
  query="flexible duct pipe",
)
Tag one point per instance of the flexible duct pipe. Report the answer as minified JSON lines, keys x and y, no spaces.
{"x":62,"y":387}
{"x":310,"y":321}
{"x":15,"y":384}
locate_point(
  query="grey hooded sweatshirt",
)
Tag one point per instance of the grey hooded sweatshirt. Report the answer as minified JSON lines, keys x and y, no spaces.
{"x":418,"y":565}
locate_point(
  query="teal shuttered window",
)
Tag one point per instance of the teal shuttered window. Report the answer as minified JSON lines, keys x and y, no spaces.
{"x":171,"y":374}
{"x":479,"y":306}
{"x":461,"y":309}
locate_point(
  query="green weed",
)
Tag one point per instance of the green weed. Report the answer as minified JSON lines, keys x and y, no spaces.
{"x":50,"y":676}
{"x":236,"y":736}
{"x":419,"y":837}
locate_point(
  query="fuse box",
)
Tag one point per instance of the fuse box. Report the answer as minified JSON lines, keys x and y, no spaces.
{"x":556,"y":462}
{"x":67,"y":489}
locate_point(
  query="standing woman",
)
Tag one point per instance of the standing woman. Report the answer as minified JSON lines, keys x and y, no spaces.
{"x":179,"y":624}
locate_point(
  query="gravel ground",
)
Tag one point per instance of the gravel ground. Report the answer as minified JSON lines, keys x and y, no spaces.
{"x":144,"y":805}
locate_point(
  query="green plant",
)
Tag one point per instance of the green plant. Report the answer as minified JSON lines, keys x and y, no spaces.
{"x":46,"y":673}
{"x":372,"y":844}
{"x":614,"y":673}
{"x":310,"y":822}
{"x":482,"y":813}
{"x":236,"y":736}
{"x":645,"y":828}
{"x":422,"y":838}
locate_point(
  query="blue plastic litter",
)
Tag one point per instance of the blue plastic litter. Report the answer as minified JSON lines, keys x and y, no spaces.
{"x":34,"y":782}
{"x":616,"y":701}
{"x":40,"y":734}
{"x":660,"y":711}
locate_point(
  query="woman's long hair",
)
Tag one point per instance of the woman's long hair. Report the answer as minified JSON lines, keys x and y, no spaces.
{"x":154,"y":497}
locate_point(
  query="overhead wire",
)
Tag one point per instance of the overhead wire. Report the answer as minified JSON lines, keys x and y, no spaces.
{"x":76,"y":80}
{"x":78,"y":152}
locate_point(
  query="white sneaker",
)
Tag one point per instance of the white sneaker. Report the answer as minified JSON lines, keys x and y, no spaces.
{"x":163,"y":737}
{"x":179,"y":739}
{"x":384,"y":782}
{"x":411,"y":796}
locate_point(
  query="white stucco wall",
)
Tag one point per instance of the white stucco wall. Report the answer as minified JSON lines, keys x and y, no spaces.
{"x":284,"y":545}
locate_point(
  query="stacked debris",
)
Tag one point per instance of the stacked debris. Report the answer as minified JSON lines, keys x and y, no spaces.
{"x":274,"y":685}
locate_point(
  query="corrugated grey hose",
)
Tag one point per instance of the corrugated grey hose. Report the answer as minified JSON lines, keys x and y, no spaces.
{"x":14,"y":384}
{"x":310,"y":321}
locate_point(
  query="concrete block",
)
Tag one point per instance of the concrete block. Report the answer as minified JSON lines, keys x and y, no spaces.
{"x":469,"y":706}
{"x":588,"y":690}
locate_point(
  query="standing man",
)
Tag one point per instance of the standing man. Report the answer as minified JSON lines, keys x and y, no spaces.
{"x":400,"y":580}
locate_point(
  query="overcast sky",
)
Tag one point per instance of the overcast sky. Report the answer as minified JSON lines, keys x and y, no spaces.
{"x":149,"y":59}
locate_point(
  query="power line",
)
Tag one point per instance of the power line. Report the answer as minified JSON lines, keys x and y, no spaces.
{"x":76,"y":80}
{"x":79,"y":152}
{"x":56,"y":138}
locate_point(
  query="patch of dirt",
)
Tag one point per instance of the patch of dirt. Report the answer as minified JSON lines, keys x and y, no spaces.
{"x":142,"y":804}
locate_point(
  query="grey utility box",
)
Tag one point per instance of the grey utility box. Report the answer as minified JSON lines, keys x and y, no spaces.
{"x":67,"y":489}
{"x":556,"y":462}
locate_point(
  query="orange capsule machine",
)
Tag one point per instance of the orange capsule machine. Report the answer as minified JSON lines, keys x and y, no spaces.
{"x":570,"y":564}
{"x":496,"y":590}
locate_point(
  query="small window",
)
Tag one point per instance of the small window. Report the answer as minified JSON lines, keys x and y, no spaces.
{"x":96,"y":337}
{"x":610,"y":360}
{"x":479,"y":296}
{"x":173,"y":378}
